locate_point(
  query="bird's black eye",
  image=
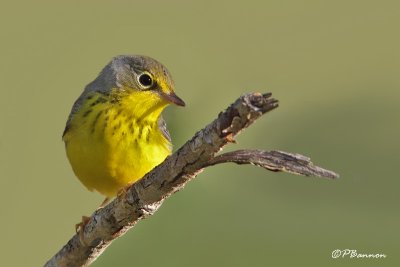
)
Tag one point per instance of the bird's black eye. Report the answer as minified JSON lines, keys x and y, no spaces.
{"x":145,"y":80}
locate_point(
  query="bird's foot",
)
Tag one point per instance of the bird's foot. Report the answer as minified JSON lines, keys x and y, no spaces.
{"x":123,"y":190}
{"x":79,"y":226}
{"x":105,"y":201}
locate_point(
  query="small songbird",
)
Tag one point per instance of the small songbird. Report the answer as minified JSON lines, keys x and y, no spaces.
{"x":115,"y":133}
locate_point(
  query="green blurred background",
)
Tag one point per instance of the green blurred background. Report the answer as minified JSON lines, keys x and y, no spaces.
{"x":334,"y":66}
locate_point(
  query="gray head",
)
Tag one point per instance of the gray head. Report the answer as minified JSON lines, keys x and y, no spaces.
{"x":137,"y":73}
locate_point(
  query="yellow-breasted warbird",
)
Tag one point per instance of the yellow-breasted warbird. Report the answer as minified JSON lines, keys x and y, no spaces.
{"x":115,"y":133}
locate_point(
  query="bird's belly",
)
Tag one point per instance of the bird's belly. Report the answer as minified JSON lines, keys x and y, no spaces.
{"x":107,"y":163}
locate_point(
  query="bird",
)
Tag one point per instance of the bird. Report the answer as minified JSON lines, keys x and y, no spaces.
{"x":115,"y":132}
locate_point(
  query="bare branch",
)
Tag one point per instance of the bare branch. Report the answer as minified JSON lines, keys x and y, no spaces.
{"x":274,"y":161}
{"x":145,"y":197}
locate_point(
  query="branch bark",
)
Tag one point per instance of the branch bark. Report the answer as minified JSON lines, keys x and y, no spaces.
{"x":145,"y":197}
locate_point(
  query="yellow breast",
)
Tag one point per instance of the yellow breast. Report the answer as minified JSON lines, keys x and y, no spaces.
{"x":112,"y":143}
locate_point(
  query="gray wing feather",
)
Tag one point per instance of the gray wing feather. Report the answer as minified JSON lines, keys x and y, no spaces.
{"x":163,"y":128}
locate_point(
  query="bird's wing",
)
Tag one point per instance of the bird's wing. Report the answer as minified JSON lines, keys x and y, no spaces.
{"x":163,"y":128}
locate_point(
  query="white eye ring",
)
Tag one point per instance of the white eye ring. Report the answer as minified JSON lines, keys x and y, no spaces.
{"x":145,"y":80}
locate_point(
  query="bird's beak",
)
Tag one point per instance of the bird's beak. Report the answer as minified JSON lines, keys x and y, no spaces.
{"x":172,"y":98}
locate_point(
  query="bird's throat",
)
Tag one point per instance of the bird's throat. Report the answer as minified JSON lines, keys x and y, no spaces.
{"x":143,"y":105}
